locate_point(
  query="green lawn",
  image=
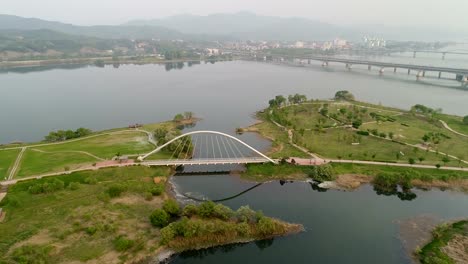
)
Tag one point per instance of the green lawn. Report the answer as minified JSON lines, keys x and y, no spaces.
{"x":338,"y":143}
{"x":34,"y":162}
{"x":7,"y":159}
{"x":107,"y":146}
{"x":280,"y":146}
{"x":415,"y":128}
{"x":82,"y":224}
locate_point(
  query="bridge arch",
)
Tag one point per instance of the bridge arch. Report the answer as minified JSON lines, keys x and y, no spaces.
{"x":141,"y":158}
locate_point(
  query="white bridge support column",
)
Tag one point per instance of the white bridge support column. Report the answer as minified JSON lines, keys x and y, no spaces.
{"x":325,"y":64}
{"x":381,"y":71}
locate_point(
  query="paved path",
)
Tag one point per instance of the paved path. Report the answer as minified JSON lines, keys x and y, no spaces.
{"x":449,"y":128}
{"x":16,"y":164}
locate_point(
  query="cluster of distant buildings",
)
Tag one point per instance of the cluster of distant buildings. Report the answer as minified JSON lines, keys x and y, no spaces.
{"x":374,"y":42}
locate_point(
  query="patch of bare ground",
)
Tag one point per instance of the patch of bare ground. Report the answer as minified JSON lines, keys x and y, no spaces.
{"x":43,"y":237}
{"x":137,"y":199}
{"x":461,"y":184}
{"x":352,"y":181}
{"x":415,"y":232}
{"x":457,"y":249}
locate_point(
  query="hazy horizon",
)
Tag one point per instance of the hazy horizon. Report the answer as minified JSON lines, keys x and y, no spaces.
{"x":429,"y":13}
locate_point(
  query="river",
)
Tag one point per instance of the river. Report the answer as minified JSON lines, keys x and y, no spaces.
{"x":341,"y":227}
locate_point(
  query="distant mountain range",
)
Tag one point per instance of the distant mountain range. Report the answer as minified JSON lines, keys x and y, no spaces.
{"x":240,"y":26}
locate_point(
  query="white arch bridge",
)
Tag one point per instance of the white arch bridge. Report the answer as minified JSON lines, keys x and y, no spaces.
{"x":204,"y":148}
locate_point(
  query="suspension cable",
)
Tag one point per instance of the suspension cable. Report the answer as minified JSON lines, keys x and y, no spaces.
{"x":224,"y":145}
{"x":219,"y":149}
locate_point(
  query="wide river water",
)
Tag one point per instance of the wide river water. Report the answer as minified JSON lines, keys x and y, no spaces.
{"x":341,"y":227}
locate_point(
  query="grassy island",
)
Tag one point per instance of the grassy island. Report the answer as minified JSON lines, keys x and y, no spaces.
{"x":448,"y":245}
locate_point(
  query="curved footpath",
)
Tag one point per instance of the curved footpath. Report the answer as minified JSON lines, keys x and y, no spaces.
{"x":449,"y":128}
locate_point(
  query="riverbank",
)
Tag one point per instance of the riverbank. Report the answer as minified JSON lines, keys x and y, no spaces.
{"x":448,"y":245}
{"x":99,"y":61}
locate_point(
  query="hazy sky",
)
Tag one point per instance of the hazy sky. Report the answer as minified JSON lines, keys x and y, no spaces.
{"x":442,"y":13}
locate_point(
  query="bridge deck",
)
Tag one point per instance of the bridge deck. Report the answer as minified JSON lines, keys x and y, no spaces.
{"x":204,"y":161}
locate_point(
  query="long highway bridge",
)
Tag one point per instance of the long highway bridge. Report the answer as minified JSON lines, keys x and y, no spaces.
{"x":461,"y":74}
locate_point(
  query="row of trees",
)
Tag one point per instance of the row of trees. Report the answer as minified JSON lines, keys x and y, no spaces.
{"x":184,"y":116}
{"x":61,"y":135}
{"x":280,"y":100}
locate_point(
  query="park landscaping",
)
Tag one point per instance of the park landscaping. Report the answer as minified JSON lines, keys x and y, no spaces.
{"x":69,"y":150}
{"x":116,"y":215}
{"x":346,"y":129}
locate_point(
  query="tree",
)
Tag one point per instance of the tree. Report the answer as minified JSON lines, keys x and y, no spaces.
{"x":445,"y":159}
{"x":159,"y":218}
{"x":437,"y":165}
{"x":465,"y":120}
{"x":324,"y":111}
{"x":188,"y":115}
{"x":391,"y":135}
{"x":411,"y":161}
{"x":421,"y":159}
{"x":178,"y":117}
{"x":357,"y":123}
{"x":280,"y":100}
{"x":344,"y":95}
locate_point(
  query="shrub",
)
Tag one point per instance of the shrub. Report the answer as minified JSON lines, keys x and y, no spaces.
{"x":157,"y":190}
{"x":190,"y":210}
{"x":465,"y":120}
{"x":32,"y":254}
{"x":148,"y":196}
{"x":222,"y":212}
{"x":243,"y":229}
{"x":159,"y":218}
{"x":74,"y":186}
{"x":90,"y":180}
{"x":122,"y":243}
{"x":167,"y":234}
{"x":206,"y":209}
{"x":245,"y":214}
{"x":91,"y":230}
{"x":382,"y":135}
{"x":363,"y":133}
{"x":47,"y":187}
{"x":322,"y":173}
{"x":171,"y":207}
{"x":116,"y":190}
{"x":266,"y":226}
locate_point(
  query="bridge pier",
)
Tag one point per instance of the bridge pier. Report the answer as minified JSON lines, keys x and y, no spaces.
{"x":440,"y":74}
{"x":369,"y":67}
{"x":381,"y":71}
{"x":443,"y":55}
{"x":424,"y":74}
{"x":414,"y":54}
{"x":409,"y":71}
{"x":325,"y":64}
{"x":349,"y":66}
{"x":394,"y":70}
{"x":419,"y":75}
